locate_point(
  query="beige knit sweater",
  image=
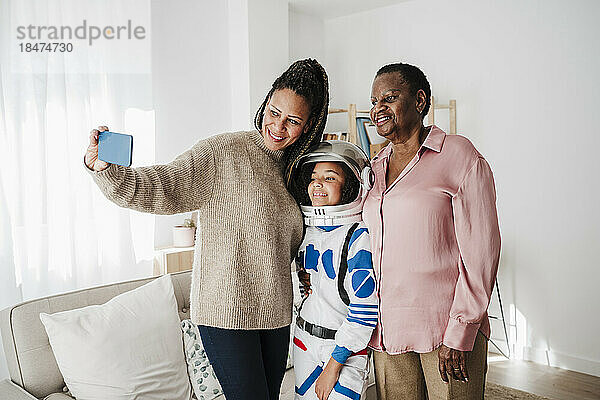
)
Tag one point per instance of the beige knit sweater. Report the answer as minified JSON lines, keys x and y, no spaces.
{"x":249,"y":230}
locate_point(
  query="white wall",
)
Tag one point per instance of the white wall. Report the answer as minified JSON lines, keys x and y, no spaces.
{"x":525,"y":77}
{"x":191,"y":81}
{"x":308,"y":40}
{"x":268,"y":30}
{"x":307,"y":36}
{"x":212,"y":64}
{"x":239,"y":65}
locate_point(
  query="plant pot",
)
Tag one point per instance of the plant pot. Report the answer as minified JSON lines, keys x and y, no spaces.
{"x":183,"y":236}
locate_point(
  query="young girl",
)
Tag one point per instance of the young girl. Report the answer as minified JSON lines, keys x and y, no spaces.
{"x":339,"y":310}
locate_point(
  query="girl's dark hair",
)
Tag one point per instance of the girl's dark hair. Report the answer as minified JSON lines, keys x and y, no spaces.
{"x":307,"y":78}
{"x":413,"y":77}
{"x":349,"y":190}
{"x":351,"y":185}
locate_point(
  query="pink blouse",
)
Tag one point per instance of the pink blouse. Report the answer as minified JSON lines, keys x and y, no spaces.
{"x":436,"y":245}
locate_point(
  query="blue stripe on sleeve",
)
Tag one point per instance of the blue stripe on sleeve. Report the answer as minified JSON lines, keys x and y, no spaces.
{"x":361,"y":260}
{"x":359,"y":305}
{"x":363,"y":319}
{"x":358,"y":321}
{"x":364,"y":312}
{"x":340,"y":354}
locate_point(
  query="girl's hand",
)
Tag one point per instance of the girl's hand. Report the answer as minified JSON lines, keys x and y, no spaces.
{"x":91,"y":155}
{"x":328,"y":378}
{"x":304,"y":278}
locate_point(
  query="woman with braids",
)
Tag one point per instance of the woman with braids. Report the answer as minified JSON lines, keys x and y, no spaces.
{"x":436,"y":244}
{"x":250,"y":226}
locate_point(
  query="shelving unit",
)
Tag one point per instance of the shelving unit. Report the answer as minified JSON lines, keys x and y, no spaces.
{"x":450,"y":106}
{"x":172,"y":259}
{"x":353,"y":113}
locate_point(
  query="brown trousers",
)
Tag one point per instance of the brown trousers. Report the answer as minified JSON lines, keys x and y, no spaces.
{"x":414,"y":376}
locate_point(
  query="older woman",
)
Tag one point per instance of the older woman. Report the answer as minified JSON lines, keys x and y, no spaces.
{"x":250,"y":226}
{"x":436,"y":245}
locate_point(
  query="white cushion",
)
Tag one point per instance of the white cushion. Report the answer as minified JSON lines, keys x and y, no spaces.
{"x":127,"y":348}
{"x":204,"y":381}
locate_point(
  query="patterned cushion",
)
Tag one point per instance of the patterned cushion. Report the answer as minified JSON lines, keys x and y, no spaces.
{"x":203,"y":379}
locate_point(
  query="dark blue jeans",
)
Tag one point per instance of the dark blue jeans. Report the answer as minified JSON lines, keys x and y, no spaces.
{"x":249,"y":364}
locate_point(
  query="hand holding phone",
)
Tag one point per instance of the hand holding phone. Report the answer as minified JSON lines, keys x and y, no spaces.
{"x":115,"y":148}
{"x":102,"y":152}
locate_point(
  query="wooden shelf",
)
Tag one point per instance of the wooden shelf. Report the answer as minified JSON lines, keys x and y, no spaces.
{"x":173,"y":259}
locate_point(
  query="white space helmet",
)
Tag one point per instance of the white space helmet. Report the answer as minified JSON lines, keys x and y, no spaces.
{"x":356,"y":160}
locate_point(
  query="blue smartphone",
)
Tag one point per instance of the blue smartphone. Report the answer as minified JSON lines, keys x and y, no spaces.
{"x":115,"y":148}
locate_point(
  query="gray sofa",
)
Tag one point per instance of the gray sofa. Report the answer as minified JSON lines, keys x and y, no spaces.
{"x":33,"y":371}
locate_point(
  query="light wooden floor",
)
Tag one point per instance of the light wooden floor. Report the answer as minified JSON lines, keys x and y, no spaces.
{"x":555,"y":383}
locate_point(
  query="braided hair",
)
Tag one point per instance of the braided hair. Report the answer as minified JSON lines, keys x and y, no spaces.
{"x":307,"y":78}
{"x":413,"y":77}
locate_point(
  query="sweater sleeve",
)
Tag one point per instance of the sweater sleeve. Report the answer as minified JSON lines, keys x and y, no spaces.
{"x":478,"y":236}
{"x":357,"y":328}
{"x":183,"y":185}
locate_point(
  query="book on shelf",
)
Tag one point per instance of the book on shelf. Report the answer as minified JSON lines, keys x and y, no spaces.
{"x":363,"y":138}
{"x":368,"y":138}
{"x":372,"y":134}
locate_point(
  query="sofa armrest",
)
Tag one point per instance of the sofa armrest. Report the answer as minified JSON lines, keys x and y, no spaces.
{"x":11,"y":391}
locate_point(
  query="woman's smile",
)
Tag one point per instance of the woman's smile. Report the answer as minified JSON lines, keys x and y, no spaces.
{"x":274,"y":137}
{"x":382,"y":119}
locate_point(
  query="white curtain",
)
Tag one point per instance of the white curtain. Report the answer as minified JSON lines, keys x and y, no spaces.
{"x":57,"y":231}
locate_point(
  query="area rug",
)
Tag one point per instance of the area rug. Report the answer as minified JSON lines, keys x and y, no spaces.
{"x":498,"y":392}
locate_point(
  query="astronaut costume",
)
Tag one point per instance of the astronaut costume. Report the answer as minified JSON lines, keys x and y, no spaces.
{"x":338,"y":317}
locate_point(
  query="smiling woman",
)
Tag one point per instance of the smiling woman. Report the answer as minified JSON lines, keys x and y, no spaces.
{"x":241,"y":295}
{"x":432,"y":212}
{"x":285,"y":119}
{"x":290,"y":90}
